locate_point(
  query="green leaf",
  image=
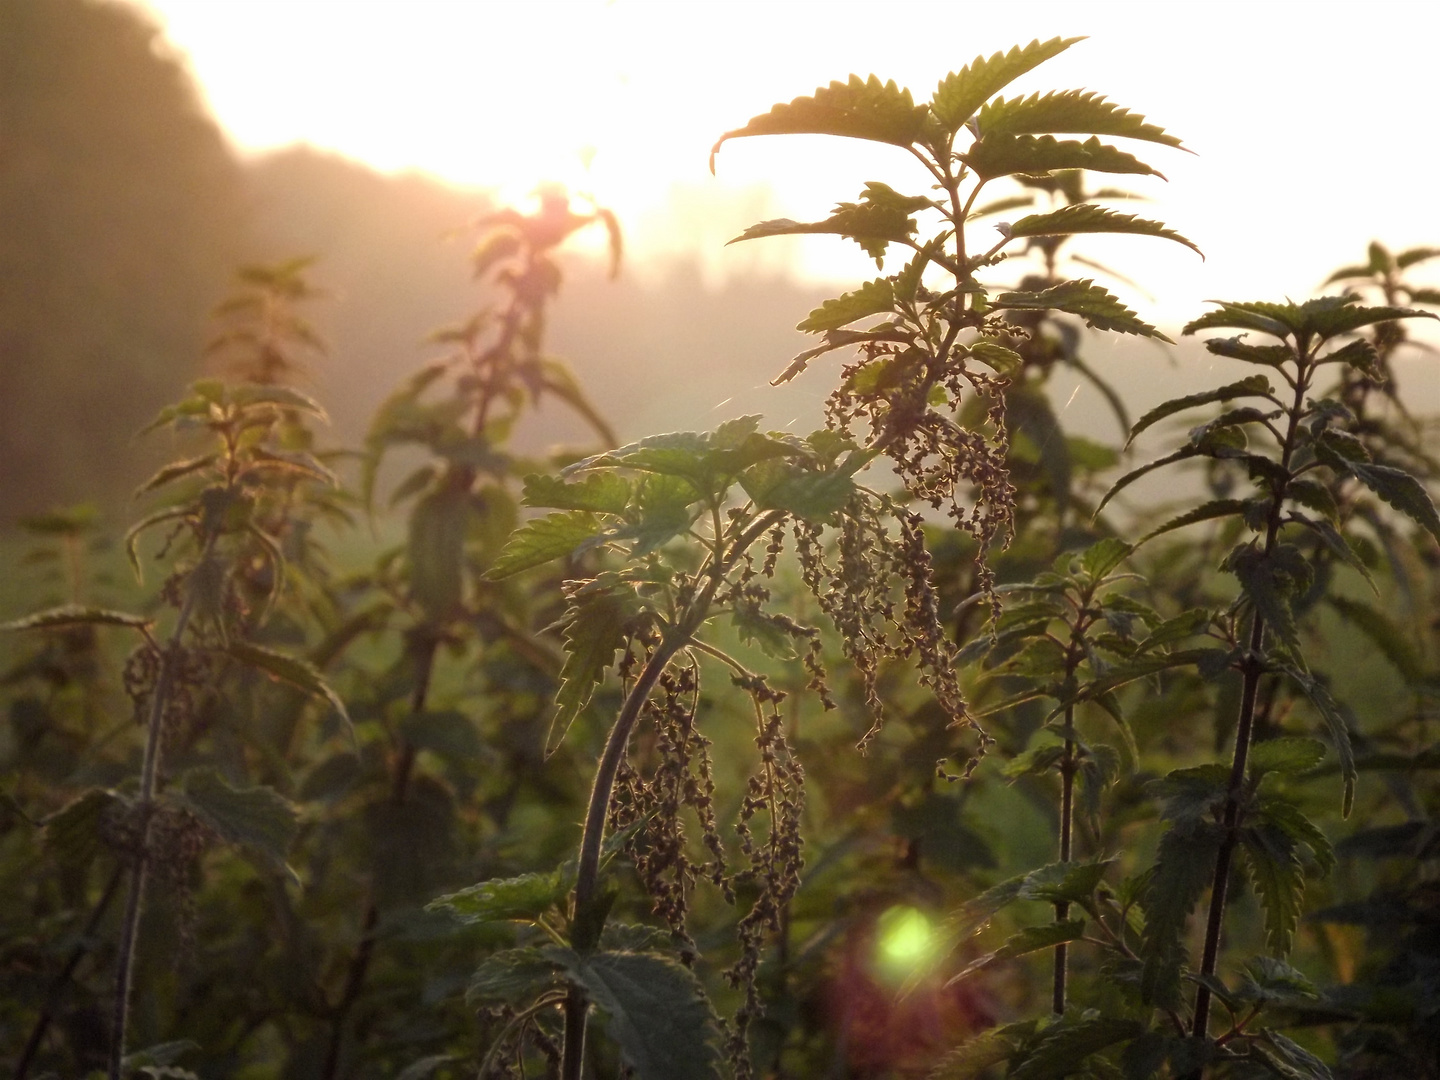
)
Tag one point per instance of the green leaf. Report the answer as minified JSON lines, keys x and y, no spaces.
{"x":75,"y":615}
{"x":283,"y":396}
{"x":599,"y":493}
{"x":858,"y":109}
{"x":524,"y":898}
{"x":881,"y":217}
{"x":961,"y":93}
{"x":537,"y":542}
{"x":1088,"y":218}
{"x":873,"y":298}
{"x":1279,"y":881}
{"x":1184,"y":866}
{"x":299,"y":673}
{"x":970,"y":1060}
{"x":1061,"y":1049}
{"x":1084,"y":298}
{"x":1062,"y":882}
{"x":1398,"y":488}
{"x":1072,"y":112}
{"x":438,"y":525}
{"x":1337,"y":723}
{"x":1268,"y":585}
{"x":1006,"y":155}
{"x":1031,"y":939}
{"x":1005,"y":361}
{"x":1359,"y":354}
{"x":1235,"y":349}
{"x":1216,"y":508}
{"x":1287,"y":1059}
{"x":656,"y":1011}
{"x":1254,"y":386}
{"x":513,"y":976}
{"x":257,"y":818}
{"x":132,"y":535}
{"x":1103,"y":556}
{"x":1288,"y":755}
{"x":594,"y":631}
{"x":766,"y":631}
{"x":807,"y":493}
{"x":174,"y":471}
{"x":73,"y":834}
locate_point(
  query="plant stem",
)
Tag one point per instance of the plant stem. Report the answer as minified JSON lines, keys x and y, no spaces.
{"x":1067,"y":818}
{"x":586,"y":925}
{"x":1252,"y":667}
{"x":149,"y":771}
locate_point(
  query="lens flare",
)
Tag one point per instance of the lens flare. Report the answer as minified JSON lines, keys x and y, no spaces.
{"x":903,"y":939}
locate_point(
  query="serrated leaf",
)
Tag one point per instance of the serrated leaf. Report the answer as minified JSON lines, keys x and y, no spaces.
{"x":522,"y":898}
{"x":1279,"y":881}
{"x":73,"y":833}
{"x":1088,"y":218}
{"x":514,"y":976}
{"x":298,"y":672}
{"x":257,"y":818}
{"x":1337,"y":723}
{"x":1104,"y":556}
{"x":75,"y":615}
{"x":1216,"y":508}
{"x":594,"y":631}
{"x":1288,"y":755}
{"x":1061,"y":1049}
{"x":1269,"y":588}
{"x":1254,"y":386}
{"x":656,"y":1011}
{"x":961,"y":93}
{"x":1401,"y":491}
{"x":599,"y":492}
{"x":766,"y":631}
{"x":1184,"y":866}
{"x":807,"y":493}
{"x":998,"y":155}
{"x":132,"y":535}
{"x":283,"y":396}
{"x":1031,"y":939}
{"x":857,"y":109}
{"x":873,"y":298}
{"x":872,"y":225}
{"x":970,"y":1060}
{"x":537,"y":542}
{"x":1084,"y":298}
{"x":1005,"y":361}
{"x":1062,"y":882}
{"x":1070,"y":112}
{"x":1359,"y":354}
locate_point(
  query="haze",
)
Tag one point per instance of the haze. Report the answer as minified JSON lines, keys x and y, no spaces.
{"x":1311,"y":126}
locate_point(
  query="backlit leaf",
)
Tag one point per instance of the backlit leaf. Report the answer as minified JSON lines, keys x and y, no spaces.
{"x":962,"y":92}
{"x":1073,"y":112}
{"x":1061,"y":1048}
{"x":1084,"y":298}
{"x":513,"y":976}
{"x":873,"y":298}
{"x":437,"y":551}
{"x":1006,"y":155}
{"x":1253,"y":386}
{"x":522,"y":898}
{"x":537,"y":542}
{"x":1184,"y":866}
{"x":1031,"y":939}
{"x":858,"y":109}
{"x":594,"y":632}
{"x":1088,"y":218}
{"x":1337,"y":723}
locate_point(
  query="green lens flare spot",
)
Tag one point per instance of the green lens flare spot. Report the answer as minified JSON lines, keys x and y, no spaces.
{"x":904,"y":941}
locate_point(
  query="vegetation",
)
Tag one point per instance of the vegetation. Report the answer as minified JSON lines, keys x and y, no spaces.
{"x":776,"y":766}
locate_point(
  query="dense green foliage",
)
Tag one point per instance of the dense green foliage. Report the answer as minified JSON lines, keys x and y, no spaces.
{"x":965,"y":774}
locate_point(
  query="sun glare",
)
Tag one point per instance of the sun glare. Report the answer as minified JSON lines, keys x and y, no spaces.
{"x":622,"y":100}
{"x":904,"y":942}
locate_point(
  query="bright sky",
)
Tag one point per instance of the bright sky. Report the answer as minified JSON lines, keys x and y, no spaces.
{"x":1312,"y":123}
